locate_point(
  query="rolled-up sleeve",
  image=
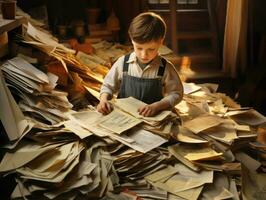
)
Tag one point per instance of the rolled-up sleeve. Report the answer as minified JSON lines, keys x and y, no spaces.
{"x":172,"y":86}
{"x":112,"y":80}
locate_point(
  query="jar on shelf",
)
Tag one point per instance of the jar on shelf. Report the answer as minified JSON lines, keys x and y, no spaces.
{"x":8,"y":8}
{"x":113,"y":22}
{"x":79,"y":29}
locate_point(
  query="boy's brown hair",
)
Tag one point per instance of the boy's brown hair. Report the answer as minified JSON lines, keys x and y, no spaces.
{"x":147,"y":27}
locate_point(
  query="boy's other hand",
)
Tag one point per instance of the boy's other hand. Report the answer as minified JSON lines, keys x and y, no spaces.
{"x":148,"y":110}
{"x":104,"y":107}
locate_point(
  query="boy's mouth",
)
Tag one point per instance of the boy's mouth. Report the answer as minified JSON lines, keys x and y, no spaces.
{"x":144,"y":60}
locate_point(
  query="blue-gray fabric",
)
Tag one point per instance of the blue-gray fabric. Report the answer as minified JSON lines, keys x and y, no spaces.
{"x":148,"y":90}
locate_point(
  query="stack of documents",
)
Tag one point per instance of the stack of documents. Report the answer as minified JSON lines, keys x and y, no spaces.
{"x":36,"y":90}
{"x":92,"y":68}
{"x":118,"y":126}
{"x":109,"y":51}
{"x":180,"y":181}
{"x":132,"y":166}
{"x":89,"y":70}
{"x":26,"y":77}
{"x":22,"y":78}
{"x":61,"y":170}
{"x":216,"y":148}
{"x":164,"y":123}
{"x":213,"y":118}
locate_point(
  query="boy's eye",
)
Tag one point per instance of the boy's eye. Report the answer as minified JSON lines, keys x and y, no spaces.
{"x":148,"y":50}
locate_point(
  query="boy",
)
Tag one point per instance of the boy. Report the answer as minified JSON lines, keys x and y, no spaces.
{"x":143,"y":74}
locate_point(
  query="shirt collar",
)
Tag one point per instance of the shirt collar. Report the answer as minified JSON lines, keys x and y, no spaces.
{"x":132,"y":58}
{"x":156,"y":60}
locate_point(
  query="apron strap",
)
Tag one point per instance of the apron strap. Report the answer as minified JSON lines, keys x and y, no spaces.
{"x":125,"y":65}
{"x":162,"y":67}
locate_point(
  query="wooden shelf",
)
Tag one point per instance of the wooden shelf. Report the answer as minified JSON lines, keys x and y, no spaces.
{"x":7,"y":25}
{"x":194,"y":34}
{"x":10,"y":27}
{"x":199,"y":66}
{"x":196,"y":73}
{"x":196,"y":58}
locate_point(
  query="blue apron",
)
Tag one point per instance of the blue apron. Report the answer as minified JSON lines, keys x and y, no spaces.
{"x":148,"y":90}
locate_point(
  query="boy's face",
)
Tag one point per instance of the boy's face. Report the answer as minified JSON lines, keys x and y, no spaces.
{"x":147,"y":51}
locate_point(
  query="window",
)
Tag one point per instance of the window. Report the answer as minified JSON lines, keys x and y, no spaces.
{"x":187,"y":1}
{"x":178,"y":1}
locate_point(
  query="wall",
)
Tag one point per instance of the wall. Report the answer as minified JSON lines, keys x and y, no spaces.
{"x":124,"y":9}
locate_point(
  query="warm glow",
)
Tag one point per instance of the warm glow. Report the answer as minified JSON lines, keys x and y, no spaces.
{"x":185,"y":68}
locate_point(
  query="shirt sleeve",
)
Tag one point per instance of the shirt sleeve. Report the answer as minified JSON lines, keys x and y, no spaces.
{"x":112,"y":80}
{"x":172,"y":85}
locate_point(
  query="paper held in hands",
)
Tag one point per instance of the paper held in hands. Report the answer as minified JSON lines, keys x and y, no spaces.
{"x":131,"y":105}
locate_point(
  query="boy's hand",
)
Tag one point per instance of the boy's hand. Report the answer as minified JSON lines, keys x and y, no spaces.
{"x":154,"y":108}
{"x":104,"y":107}
{"x":148,"y":110}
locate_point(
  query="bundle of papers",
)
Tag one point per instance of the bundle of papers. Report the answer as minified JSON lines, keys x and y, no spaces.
{"x":36,"y":90}
{"x":136,"y":138}
{"x":180,"y":181}
{"x":26,"y":77}
{"x":132,"y":166}
{"x":110,"y":52}
{"x":61,"y":170}
{"x":131,"y":105}
{"x":11,"y":116}
{"x":59,"y":153}
{"x":164,"y":123}
{"x":222,"y":187}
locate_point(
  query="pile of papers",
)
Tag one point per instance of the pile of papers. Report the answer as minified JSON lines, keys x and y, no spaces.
{"x":108,"y":126}
{"x":110,"y":52}
{"x":63,"y":157}
{"x":60,"y":171}
{"x":164,"y":123}
{"x":91,"y":69}
{"x":37,"y":94}
{"x":213,"y":148}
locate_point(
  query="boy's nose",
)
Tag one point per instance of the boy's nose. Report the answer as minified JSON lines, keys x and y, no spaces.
{"x":144,"y":54}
